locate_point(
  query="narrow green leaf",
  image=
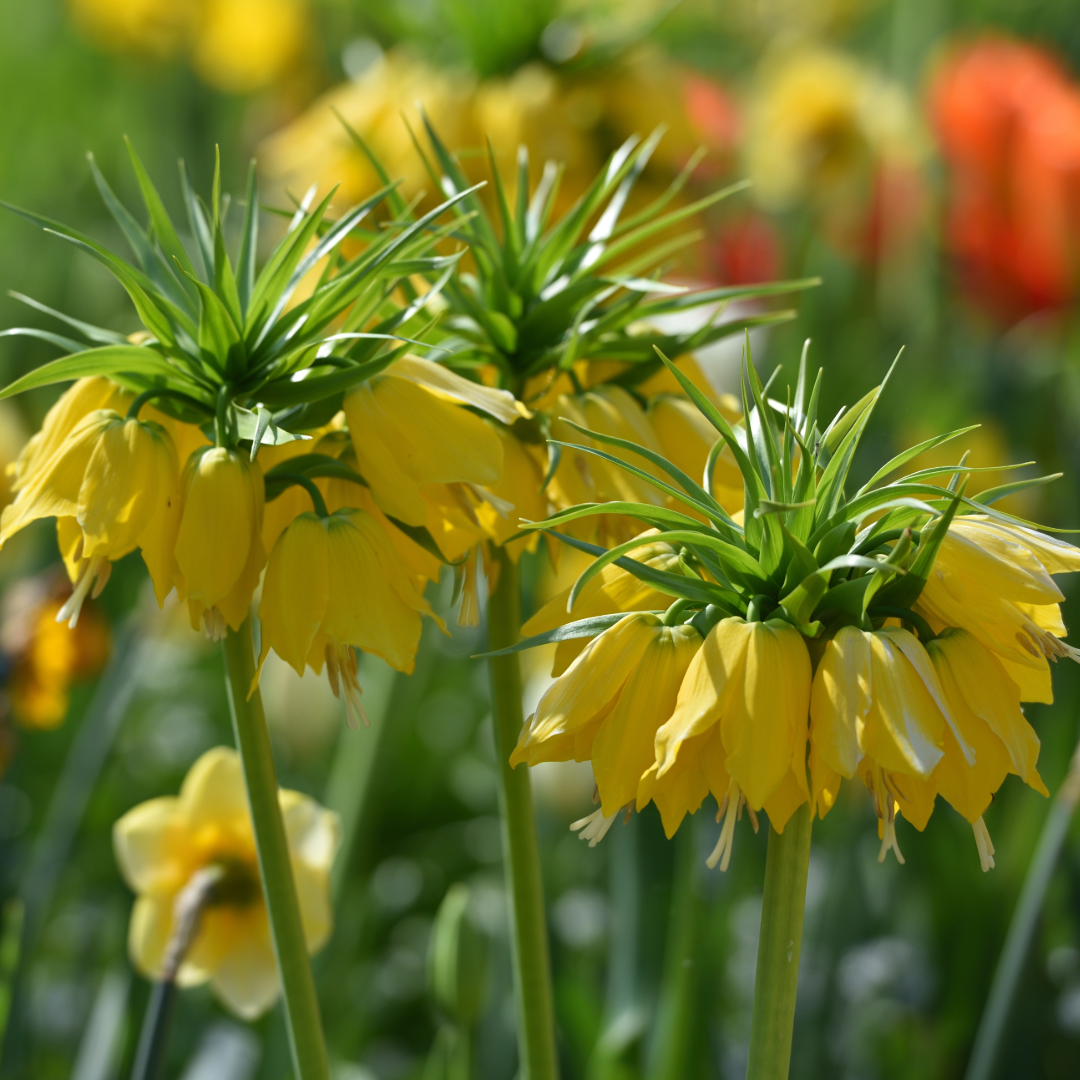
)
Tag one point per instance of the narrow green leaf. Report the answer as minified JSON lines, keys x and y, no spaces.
{"x":108,"y":360}
{"x":582,"y":628}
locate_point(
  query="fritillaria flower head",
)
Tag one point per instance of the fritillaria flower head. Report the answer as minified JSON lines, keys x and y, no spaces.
{"x":888,"y":634}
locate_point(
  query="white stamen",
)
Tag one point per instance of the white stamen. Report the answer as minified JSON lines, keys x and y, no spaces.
{"x":214,"y":624}
{"x":594,"y":827}
{"x":72,"y":608}
{"x":343,"y":673}
{"x":984,"y":844}
{"x":722,"y":852}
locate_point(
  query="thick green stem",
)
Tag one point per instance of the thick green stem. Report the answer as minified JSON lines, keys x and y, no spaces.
{"x":777,"y":978}
{"x":279,"y":889}
{"x":1025,"y":918}
{"x":521,"y":855}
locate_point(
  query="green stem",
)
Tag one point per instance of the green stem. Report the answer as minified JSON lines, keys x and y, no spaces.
{"x":1014,"y":954}
{"x":777,"y":978}
{"x":275,"y":867}
{"x":521,"y":855}
{"x":154,"y":1037}
{"x":673,"y":1051}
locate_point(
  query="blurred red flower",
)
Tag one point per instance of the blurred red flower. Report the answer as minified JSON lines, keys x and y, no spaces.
{"x":744,"y":250}
{"x":1007,"y":117}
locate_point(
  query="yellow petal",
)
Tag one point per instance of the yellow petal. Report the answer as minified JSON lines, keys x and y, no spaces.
{"x":246,"y":980}
{"x":972,"y":675}
{"x":711,"y":683}
{"x":624,"y":746}
{"x":296,"y":591}
{"x":591,"y":683}
{"x":221,"y":522}
{"x":765,"y":725}
{"x":840,"y":700}
{"x":498,"y":403}
{"x":148,"y":933}
{"x":372,"y":603}
{"x":151,"y":846}
{"x":903,"y":730}
{"x":213,"y":791}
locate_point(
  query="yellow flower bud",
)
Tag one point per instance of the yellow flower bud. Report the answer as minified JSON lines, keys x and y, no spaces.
{"x":219,"y":551}
{"x":161,"y":845}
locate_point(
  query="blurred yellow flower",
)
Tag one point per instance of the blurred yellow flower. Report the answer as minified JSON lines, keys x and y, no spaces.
{"x":818,"y":122}
{"x":239,"y":46}
{"x":219,"y":550}
{"x":162,"y":845}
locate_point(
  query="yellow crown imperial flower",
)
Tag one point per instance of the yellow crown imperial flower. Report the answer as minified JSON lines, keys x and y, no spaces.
{"x":606,"y":708}
{"x":219,"y":551}
{"x":334,"y":582}
{"x":738,"y":729}
{"x":888,"y":634}
{"x":199,"y":848}
{"x":115,"y":478}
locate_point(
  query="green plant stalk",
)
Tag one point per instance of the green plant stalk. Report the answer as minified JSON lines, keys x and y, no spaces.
{"x":674,"y":1045}
{"x":279,"y":889}
{"x":1014,"y":953}
{"x":154,"y":1037}
{"x":521,"y":854}
{"x":777,"y":980}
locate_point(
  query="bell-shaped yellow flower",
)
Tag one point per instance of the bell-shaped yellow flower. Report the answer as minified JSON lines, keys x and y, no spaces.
{"x":878,"y":710}
{"x":607,"y":706}
{"x":612,"y":589}
{"x":738,"y":730}
{"x":112,"y":483}
{"x":161,"y":845}
{"x":986,"y":705}
{"x":514,"y":496}
{"x":409,"y":428}
{"x":219,"y":550}
{"x":993,"y":580}
{"x":333,"y":584}
{"x":81,"y":398}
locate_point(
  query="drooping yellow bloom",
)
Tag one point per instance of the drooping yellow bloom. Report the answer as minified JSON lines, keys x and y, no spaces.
{"x":611,"y":590}
{"x":161,"y":845}
{"x":985,"y":703}
{"x":738,"y":729}
{"x":333,"y":584}
{"x":878,"y":710}
{"x":993,"y":580}
{"x":607,"y":706}
{"x":112,"y":483}
{"x":219,"y":550}
{"x":409,"y":429}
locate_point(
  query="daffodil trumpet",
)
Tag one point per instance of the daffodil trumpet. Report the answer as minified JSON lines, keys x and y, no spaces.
{"x":889,"y":635}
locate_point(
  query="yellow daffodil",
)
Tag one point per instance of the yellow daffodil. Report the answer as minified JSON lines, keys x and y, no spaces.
{"x":738,"y":729}
{"x":115,"y":479}
{"x":993,"y":580}
{"x":161,"y":846}
{"x":219,"y":550}
{"x":607,"y":706}
{"x":612,"y":590}
{"x":334,"y":583}
{"x":408,"y":429}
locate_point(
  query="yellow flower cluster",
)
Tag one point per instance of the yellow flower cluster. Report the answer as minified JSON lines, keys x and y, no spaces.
{"x":668,"y":716}
{"x":165,"y":845}
{"x":238,"y":46}
{"x":197,"y":512}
